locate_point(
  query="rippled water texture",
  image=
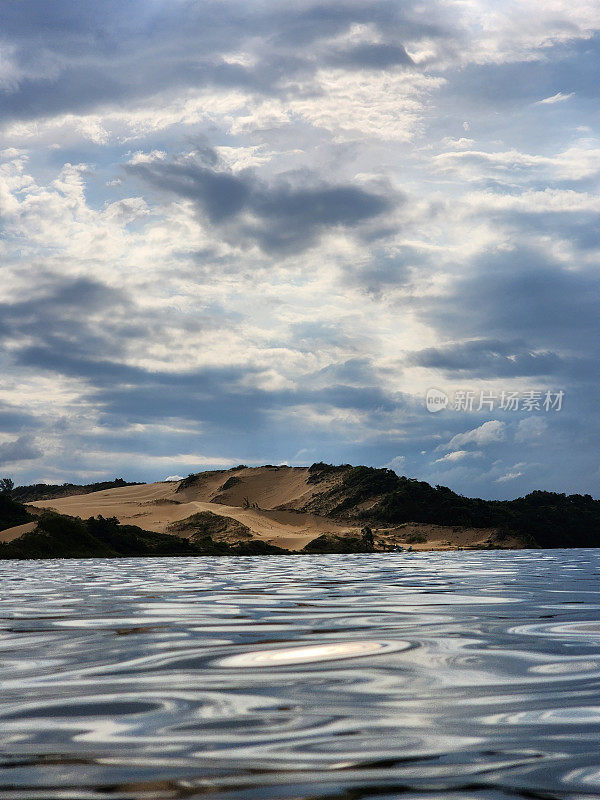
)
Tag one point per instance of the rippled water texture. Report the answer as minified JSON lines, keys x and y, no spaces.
{"x":433,"y":675}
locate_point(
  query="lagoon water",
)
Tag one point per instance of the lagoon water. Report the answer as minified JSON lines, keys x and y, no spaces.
{"x":434,"y":675}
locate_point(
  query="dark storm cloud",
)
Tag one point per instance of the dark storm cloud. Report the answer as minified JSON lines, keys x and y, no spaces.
{"x":22,"y":449}
{"x":522,"y":294}
{"x":580,"y":228}
{"x":488,"y":359}
{"x":383,"y":271}
{"x":78,"y":315}
{"x":298,"y":25}
{"x":74,"y":56}
{"x":282,"y":218}
{"x":212,"y":395}
{"x":80,"y":328}
{"x":12,"y":419}
{"x":520,"y":314}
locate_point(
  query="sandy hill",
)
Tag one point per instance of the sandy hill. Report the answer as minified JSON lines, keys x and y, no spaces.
{"x":284,"y":506}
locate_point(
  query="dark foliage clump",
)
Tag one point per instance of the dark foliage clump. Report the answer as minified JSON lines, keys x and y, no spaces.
{"x":11,"y":512}
{"x":205,"y":523}
{"x":319,"y":471}
{"x":360,"y":484}
{"x":191,"y":480}
{"x":332,"y":543}
{"x":256,"y":548}
{"x":540,"y":519}
{"x":6,"y":485}
{"x":557,"y":520}
{"x":230,"y":483}
{"x":59,"y":536}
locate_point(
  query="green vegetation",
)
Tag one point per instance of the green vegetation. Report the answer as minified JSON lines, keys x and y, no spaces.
{"x":6,"y":485}
{"x":416,"y":538}
{"x":332,"y":543}
{"x":191,"y":480}
{"x":11,"y":512}
{"x":205,"y":523}
{"x":230,"y":483}
{"x":543,"y":519}
{"x":320,"y":470}
{"x":59,"y":536}
{"x":364,"y":495}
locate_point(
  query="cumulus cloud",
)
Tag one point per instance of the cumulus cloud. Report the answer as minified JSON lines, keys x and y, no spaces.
{"x":457,"y":455}
{"x":488,"y":433}
{"x":258,"y":230}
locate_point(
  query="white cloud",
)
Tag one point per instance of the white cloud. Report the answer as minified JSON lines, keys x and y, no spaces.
{"x":560,"y":97}
{"x":397,"y":463}
{"x":488,"y":433}
{"x":578,"y":161}
{"x":196,"y":301}
{"x":458,"y":455}
{"x":510,"y":476}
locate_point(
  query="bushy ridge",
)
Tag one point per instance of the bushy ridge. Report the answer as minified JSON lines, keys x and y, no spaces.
{"x":334,"y":543}
{"x":205,"y":523}
{"x":542,"y":519}
{"x":59,"y":536}
{"x":319,"y":471}
{"x":364,"y":495}
{"x":48,"y":491}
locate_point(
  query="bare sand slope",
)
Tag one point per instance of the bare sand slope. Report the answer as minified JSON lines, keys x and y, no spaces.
{"x":266,"y":487}
{"x":8,"y":534}
{"x":254,"y":497}
{"x":155,"y":506}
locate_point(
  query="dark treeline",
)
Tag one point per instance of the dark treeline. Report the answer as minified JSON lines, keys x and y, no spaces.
{"x":543,"y":519}
{"x":59,"y":536}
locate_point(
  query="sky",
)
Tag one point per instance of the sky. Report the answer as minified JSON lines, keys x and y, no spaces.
{"x":260,"y":232}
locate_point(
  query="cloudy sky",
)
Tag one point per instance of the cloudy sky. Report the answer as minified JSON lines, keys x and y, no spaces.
{"x":258,"y":232}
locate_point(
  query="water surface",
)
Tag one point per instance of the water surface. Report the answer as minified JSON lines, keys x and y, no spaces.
{"x":433,"y":675}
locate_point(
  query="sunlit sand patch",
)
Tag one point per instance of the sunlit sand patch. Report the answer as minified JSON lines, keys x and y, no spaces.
{"x":312,"y":654}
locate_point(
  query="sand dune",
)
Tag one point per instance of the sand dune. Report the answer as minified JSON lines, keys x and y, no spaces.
{"x":155,"y":506}
{"x":8,"y":534}
{"x":266,"y":487}
{"x":253,"y":497}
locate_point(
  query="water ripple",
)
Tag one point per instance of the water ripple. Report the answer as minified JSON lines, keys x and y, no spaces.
{"x":463,"y":676}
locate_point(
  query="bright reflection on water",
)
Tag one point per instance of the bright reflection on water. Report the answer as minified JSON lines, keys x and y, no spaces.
{"x":449,"y":675}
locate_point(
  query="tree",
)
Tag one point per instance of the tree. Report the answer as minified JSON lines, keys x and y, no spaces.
{"x":6,"y":485}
